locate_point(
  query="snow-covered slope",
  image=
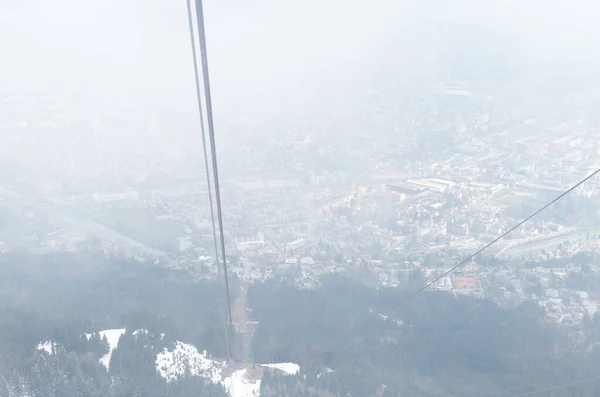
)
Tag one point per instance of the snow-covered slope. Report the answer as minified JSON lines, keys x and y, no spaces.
{"x":138,"y":332}
{"x":46,"y":346}
{"x":242,"y":384}
{"x":112,"y":336}
{"x":288,"y":368}
{"x":173,"y":364}
{"x":186,"y":359}
{"x":238,"y":385}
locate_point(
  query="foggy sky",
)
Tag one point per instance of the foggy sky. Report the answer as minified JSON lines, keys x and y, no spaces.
{"x":278,"y":60}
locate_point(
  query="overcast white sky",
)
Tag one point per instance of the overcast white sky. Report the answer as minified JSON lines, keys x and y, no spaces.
{"x":272,"y":59}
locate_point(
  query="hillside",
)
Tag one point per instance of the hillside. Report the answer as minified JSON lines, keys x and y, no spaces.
{"x":120,"y":349}
{"x":73,"y":325}
{"x":354,"y":340}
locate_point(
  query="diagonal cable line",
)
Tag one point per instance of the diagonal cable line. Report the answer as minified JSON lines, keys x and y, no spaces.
{"x":578,"y":382}
{"x":206,"y":166}
{"x":500,"y":237}
{"x":211,"y":134}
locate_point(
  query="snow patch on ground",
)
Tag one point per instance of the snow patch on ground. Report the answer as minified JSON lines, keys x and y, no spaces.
{"x":386,"y":318}
{"x":237,"y":385}
{"x":112,"y":336}
{"x":327,"y":370}
{"x":46,"y":346}
{"x":186,"y":359}
{"x":173,"y":364}
{"x":140,"y":332}
{"x":288,"y":368}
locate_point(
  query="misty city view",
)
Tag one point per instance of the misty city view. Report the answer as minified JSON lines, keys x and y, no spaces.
{"x":309,"y":198}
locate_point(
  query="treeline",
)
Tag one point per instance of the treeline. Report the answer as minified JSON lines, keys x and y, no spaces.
{"x":101,"y":294}
{"x":352,"y":339}
{"x":75,"y":371}
{"x":61,"y":298}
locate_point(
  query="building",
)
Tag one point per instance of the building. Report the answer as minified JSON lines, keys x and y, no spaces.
{"x":295,"y":244}
{"x":428,"y":183}
{"x":113,"y":197}
{"x":252,"y":243}
{"x":465,"y":282}
{"x":185,"y":243}
{"x":405,"y":188}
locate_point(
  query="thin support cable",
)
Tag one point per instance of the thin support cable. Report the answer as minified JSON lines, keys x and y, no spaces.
{"x":211,"y":134}
{"x":564,"y":385}
{"x":581,"y":182}
{"x":206,"y":166}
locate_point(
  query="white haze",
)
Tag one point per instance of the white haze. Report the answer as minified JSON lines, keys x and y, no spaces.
{"x":273,"y":62}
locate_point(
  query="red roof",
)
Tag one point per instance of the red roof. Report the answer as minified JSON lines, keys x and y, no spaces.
{"x":465,"y":282}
